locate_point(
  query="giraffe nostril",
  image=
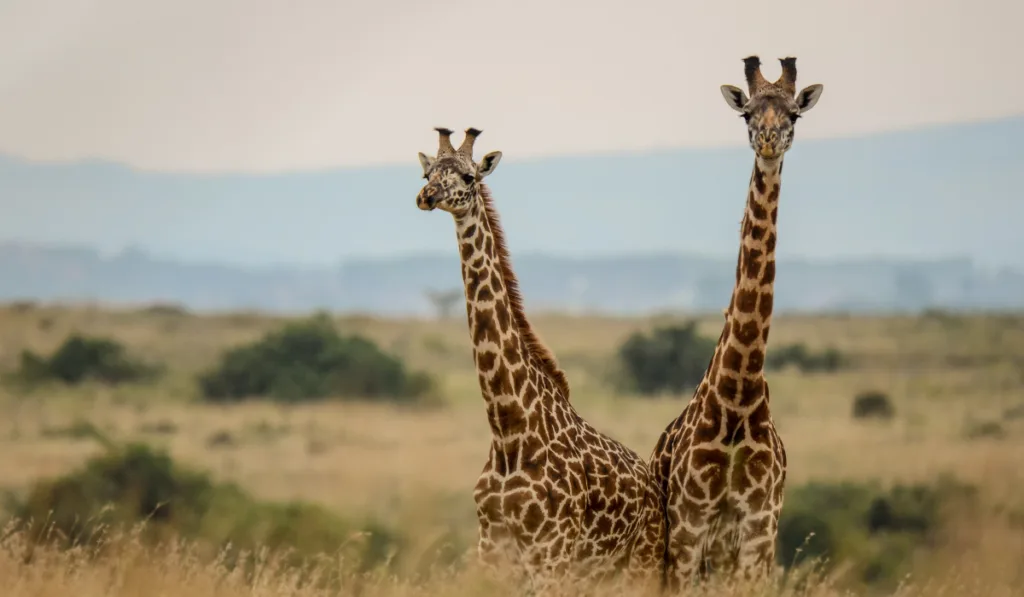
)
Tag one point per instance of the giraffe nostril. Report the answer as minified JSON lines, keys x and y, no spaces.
{"x":428,"y":197}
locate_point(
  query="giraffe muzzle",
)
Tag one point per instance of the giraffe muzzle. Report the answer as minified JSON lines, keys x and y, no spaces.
{"x":428,"y":198}
{"x":768,"y":144}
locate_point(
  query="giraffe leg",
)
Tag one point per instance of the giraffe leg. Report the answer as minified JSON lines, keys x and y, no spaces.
{"x":756,"y":559}
{"x":551,"y":567}
{"x":489,"y":554}
{"x":689,"y":527}
{"x":721,"y":552}
{"x":646,"y":566}
{"x":497,"y":553}
{"x":773,"y":531}
{"x":542,"y":585}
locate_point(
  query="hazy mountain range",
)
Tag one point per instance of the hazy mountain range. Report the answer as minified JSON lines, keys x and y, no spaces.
{"x":624,"y":285}
{"x":901,"y":220}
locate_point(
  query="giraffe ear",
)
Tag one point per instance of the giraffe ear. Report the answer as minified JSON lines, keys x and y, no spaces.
{"x":806,"y":99}
{"x":426,"y":161}
{"x":488,"y":164}
{"x":735,"y":97}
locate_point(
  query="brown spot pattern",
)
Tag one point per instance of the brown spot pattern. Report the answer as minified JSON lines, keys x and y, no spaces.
{"x":556,"y":497}
{"x":720,"y":464}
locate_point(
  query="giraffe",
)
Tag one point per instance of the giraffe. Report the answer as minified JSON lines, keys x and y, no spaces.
{"x":721,"y":464}
{"x":557,"y":499}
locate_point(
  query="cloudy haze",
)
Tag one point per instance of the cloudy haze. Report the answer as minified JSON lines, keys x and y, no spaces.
{"x":268,"y":86}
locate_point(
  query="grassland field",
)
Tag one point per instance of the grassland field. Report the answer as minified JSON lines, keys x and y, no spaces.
{"x":948,"y":376}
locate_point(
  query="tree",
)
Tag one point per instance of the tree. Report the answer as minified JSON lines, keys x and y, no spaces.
{"x":444,"y":301}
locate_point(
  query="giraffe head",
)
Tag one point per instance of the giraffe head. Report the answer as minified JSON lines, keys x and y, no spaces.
{"x":772,"y":109}
{"x":452,"y":175}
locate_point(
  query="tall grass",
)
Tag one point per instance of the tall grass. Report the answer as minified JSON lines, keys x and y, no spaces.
{"x":123,"y":565}
{"x":414,"y":469}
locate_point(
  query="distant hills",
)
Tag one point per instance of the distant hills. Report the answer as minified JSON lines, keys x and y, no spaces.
{"x":906,"y":220}
{"x":623,"y":285}
{"x":927,"y":194}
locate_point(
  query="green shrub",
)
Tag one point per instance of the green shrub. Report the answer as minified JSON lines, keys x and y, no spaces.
{"x":671,"y":358}
{"x":310,"y":360}
{"x":76,"y":430}
{"x":1014,"y":412}
{"x":985,"y":430}
{"x":804,"y":359}
{"x":82,"y":358}
{"x":873,"y":405}
{"x":873,"y":529}
{"x":161,"y":427}
{"x":166,"y":310}
{"x":25,"y":306}
{"x":816,"y":517}
{"x":134,"y":483}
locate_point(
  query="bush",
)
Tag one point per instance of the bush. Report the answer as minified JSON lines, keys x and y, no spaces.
{"x":874,"y":530}
{"x":1014,"y":412}
{"x":815,"y":520}
{"x":166,"y":310}
{"x":82,"y":358}
{"x":670,"y":359}
{"x":22,"y":306}
{"x":804,"y":359}
{"x":134,"y":483}
{"x":76,"y":430}
{"x":310,"y":360}
{"x":873,"y":405}
{"x":985,"y":430}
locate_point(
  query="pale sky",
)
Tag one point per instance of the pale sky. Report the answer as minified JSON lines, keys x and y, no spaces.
{"x":259,"y":85}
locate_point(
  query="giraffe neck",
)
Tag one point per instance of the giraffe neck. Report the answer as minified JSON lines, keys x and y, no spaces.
{"x":749,"y":317}
{"x":514,"y":368}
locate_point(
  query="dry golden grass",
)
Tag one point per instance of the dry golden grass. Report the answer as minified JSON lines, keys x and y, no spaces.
{"x":945,"y":374}
{"x":129,"y":568}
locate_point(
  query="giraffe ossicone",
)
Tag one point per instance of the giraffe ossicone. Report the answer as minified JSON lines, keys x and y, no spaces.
{"x":721,"y":464}
{"x":557,"y":500}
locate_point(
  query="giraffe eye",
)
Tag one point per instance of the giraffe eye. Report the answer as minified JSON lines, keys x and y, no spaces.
{"x":793,"y":117}
{"x":468,"y":178}
{"x":746,"y":117}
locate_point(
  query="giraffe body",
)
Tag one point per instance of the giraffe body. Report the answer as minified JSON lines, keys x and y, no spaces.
{"x":721,"y":464}
{"x":557,"y":500}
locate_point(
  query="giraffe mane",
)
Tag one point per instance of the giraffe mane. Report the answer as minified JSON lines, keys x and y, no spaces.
{"x":534,"y":346}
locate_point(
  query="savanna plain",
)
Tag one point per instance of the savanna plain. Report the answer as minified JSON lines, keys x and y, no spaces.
{"x":906,"y":457}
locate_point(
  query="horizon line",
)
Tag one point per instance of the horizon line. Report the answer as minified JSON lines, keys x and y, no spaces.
{"x":342,"y":262}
